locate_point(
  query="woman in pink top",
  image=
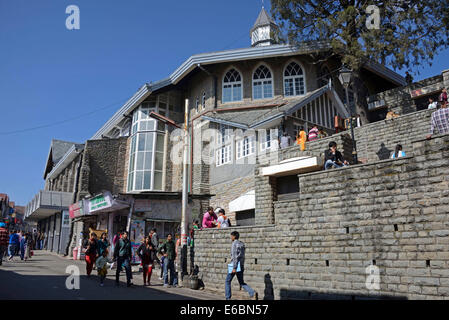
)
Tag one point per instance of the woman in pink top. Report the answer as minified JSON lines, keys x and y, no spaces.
{"x":209,"y":218}
{"x":313,"y":133}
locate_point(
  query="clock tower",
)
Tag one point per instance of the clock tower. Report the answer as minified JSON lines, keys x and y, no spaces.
{"x":265,"y":31}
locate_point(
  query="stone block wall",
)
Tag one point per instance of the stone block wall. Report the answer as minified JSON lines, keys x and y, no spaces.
{"x":391,"y":215}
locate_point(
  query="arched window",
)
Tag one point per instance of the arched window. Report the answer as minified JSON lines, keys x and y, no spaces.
{"x":294,"y":81}
{"x":203,"y":101}
{"x":232,"y":86}
{"x":262,"y":83}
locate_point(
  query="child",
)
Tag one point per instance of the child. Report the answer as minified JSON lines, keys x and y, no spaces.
{"x":101,"y":263}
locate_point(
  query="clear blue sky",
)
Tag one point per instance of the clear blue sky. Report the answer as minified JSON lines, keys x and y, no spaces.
{"x":49,"y":74}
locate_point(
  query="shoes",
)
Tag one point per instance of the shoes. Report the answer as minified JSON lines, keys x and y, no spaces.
{"x":166,"y":286}
{"x":255,"y":296}
{"x":101,"y":284}
{"x":129,"y":284}
{"x":144,"y":284}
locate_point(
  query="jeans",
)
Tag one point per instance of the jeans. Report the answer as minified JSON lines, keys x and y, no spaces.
{"x":2,"y":253}
{"x":169,"y":264}
{"x":127,"y":265}
{"x":329,"y":164}
{"x":11,"y":250}
{"x":246,"y":287}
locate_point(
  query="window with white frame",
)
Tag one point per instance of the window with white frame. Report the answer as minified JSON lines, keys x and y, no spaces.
{"x":262,"y":83}
{"x":203,"y":101}
{"x":147,"y":148}
{"x":246,"y":146}
{"x":294,"y":80}
{"x":232,"y":86}
{"x":268,"y":139}
{"x":224,"y":147}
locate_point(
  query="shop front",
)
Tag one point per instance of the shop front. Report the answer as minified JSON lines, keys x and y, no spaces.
{"x":103,"y":213}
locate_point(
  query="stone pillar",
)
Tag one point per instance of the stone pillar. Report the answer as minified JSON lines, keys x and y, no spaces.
{"x":445,"y":74}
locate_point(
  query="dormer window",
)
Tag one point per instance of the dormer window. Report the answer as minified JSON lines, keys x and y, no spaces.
{"x":232,"y":86}
{"x":262,"y":83}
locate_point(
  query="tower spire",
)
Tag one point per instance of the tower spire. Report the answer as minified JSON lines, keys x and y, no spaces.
{"x":265,"y":30}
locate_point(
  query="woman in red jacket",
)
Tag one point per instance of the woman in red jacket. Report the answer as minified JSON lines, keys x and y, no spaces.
{"x":91,"y":253}
{"x":147,"y":254}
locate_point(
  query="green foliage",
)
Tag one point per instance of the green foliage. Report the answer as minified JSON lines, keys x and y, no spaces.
{"x":411,"y":32}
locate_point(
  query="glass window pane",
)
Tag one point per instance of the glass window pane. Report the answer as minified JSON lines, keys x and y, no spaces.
{"x":160,"y":142}
{"x":159,"y":161}
{"x":227,"y":93}
{"x":130,"y":181}
{"x":140,"y":160}
{"x":288,"y":87}
{"x":148,"y":160}
{"x":147,"y":180}
{"x":133,"y":144}
{"x":139,"y":180}
{"x":160,"y":126}
{"x":257,"y":90}
{"x":141,"y":146}
{"x":131,"y":162}
{"x":149,"y":142}
{"x":237,"y":92}
{"x":267,"y":89}
{"x":157,"y":181}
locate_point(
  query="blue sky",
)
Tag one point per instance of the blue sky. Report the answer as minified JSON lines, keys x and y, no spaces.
{"x":49,"y":74}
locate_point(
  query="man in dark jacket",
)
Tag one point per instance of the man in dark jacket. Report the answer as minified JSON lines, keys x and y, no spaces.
{"x":123,"y":255}
{"x":168,"y":249}
{"x":3,"y":241}
{"x":333,"y":157}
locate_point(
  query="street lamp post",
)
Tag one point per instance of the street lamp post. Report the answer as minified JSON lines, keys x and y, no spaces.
{"x":345,"y":79}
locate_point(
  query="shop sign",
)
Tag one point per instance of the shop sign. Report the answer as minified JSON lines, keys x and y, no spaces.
{"x":65,"y":218}
{"x":100,"y":202}
{"x":76,"y":209}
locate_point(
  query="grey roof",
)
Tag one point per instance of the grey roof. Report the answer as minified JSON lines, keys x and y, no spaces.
{"x":270,"y":111}
{"x":59,"y":148}
{"x":263,"y":19}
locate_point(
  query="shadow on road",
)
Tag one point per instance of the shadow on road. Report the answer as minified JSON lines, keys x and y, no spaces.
{"x":48,"y":287}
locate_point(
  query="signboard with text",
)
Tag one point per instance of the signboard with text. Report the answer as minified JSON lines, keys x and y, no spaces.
{"x":76,"y":209}
{"x":100,"y":202}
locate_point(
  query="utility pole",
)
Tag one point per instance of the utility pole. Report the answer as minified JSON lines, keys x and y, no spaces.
{"x":185,"y":192}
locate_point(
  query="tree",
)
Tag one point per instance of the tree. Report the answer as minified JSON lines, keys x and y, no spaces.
{"x":408,"y":32}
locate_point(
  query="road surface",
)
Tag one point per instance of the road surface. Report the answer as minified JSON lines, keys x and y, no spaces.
{"x":43,"y":277}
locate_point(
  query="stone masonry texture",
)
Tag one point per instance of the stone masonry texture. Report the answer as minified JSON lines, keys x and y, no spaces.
{"x":391,"y":214}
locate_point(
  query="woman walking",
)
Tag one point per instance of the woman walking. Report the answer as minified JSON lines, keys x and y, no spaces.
{"x":147,"y":254}
{"x":91,"y":253}
{"x":103,"y":244}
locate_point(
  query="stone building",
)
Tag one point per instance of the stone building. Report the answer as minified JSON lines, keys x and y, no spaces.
{"x":240,"y":101}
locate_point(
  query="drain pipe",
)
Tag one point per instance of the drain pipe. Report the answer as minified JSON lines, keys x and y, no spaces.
{"x":215,"y":83}
{"x":75,"y":192}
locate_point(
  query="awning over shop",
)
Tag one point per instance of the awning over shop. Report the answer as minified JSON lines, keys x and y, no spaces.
{"x":293,"y":166}
{"x":244,"y":202}
{"x":101,"y":203}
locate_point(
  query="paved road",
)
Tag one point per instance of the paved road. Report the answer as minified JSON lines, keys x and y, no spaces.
{"x":43,"y":277}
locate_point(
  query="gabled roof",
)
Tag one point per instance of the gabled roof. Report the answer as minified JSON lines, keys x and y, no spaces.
{"x":273,"y":111}
{"x":58,"y":148}
{"x":228,"y":56}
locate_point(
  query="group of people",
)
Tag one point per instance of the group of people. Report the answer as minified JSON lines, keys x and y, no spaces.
{"x":215,"y":219}
{"x":15,"y":243}
{"x":302,"y":137}
{"x":97,"y":254}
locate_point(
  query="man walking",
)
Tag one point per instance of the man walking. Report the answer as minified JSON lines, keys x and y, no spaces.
{"x":13,"y":244}
{"x":237,"y":267}
{"x":123,"y":254}
{"x":3,"y":241}
{"x":169,"y":251}
{"x":440,"y":121}
{"x":154,"y":238}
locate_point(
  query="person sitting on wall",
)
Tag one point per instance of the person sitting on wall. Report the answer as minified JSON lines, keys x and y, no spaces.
{"x":209,"y":218}
{"x":223,"y":221}
{"x":313,"y":133}
{"x":391,"y":115}
{"x":443,"y":96}
{"x":432,"y":104}
{"x":439,"y":121}
{"x":398,"y":153}
{"x":333,"y":157}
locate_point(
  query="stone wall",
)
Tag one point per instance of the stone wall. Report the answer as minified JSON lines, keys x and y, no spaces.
{"x":104,"y":167}
{"x":392,"y":214}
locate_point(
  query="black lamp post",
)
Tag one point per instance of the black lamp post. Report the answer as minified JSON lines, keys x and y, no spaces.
{"x":345,"y":79}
